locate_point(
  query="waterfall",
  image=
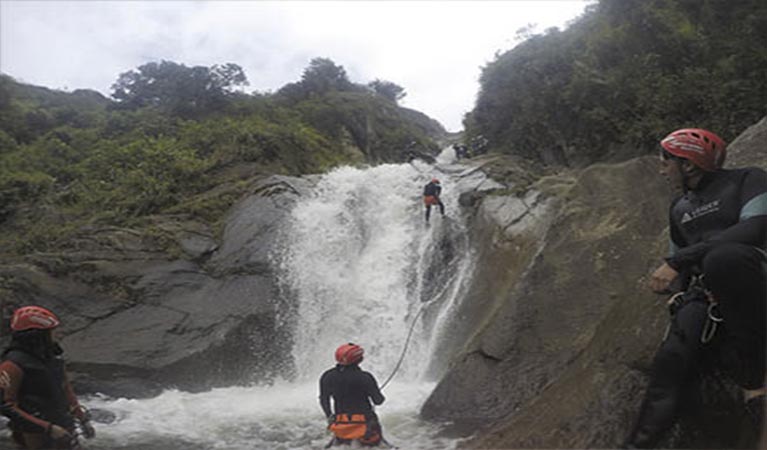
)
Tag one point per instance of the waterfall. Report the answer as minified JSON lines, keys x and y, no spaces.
{"x":357,"y":258}
{"x":358,"y":263}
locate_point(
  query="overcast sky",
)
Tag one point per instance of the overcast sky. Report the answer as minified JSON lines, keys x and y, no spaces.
{"x":434,"y":49}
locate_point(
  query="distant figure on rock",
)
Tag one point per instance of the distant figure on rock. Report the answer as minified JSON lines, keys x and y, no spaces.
{"x":461,"y":151}
{"x":36,"y":395}
{"x":718,"y":271}
{"x":478,"y":145}
{"x":352,"y":389}
{"x":431,"y":193}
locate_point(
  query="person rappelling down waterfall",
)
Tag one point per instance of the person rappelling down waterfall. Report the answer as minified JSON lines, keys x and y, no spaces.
{"x":431,"y":193}
{"x":352,"y":389}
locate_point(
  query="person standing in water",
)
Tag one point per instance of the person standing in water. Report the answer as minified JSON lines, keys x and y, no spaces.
{"x":35,"y":393}
{"x":352,"y":389}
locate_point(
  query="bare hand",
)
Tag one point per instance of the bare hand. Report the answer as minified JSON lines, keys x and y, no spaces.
{"x":59,"y":433}
{"x":661,"y":279}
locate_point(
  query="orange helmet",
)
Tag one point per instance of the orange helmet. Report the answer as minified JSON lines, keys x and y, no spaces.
{"x":33,"y":317}
{"x":703,"y":148}
{"x":349,"y":354}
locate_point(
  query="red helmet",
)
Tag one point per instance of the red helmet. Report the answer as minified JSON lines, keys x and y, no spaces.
{"x":37,"y":317}
{"x":348,"y":354}
{"x":435,"y":181}
{"x":705,"y":149}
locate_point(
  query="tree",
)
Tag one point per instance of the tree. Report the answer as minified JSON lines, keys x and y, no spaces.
{"x":177,"y":88}
{"x":388,"y":90}
{"x":324,"y":75}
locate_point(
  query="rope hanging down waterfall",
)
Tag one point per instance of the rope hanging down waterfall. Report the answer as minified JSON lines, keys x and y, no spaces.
{"x":404,"y":349}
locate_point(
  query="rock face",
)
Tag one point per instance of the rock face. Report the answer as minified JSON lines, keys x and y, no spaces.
{"x":550,"y":349}
{"x":135,"y":321}
{"x":562,"y":358}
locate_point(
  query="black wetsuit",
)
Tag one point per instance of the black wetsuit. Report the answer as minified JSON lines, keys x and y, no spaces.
{"x":718,"y":232}
{"x":352,"y":390}
{"x":433,"y":190}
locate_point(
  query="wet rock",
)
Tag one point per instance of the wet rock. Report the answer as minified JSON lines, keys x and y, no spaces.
{"x":137,"y":317}
{"x":563,"y":359}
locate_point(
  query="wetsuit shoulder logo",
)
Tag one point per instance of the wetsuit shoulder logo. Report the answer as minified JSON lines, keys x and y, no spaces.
{"x":700,"y":211}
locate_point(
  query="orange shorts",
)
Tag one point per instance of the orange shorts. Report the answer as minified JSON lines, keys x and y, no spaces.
{"x":430,"y":200}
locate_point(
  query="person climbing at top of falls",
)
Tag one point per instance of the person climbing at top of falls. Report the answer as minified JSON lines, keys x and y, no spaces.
{"x":34,"y":389}
{"x":718,"y":268}
{"x":352,"y":389}
{"x":431,"y":196}
{"x":461,"y":151}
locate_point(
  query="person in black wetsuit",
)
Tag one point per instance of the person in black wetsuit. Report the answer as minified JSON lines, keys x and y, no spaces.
{"x":431,"y":193}
{"x":352,"y":389}
{"x":718,"y":265}
{"x":35,"y":393}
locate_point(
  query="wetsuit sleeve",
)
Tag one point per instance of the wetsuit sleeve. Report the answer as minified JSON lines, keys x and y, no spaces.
{"x":325,"y":394}
{"x":751,"y":229}
{"x":373,"y":391}
{"x":74,"y":404}
{"x":676,"y":241}
{"x":11,"y":376}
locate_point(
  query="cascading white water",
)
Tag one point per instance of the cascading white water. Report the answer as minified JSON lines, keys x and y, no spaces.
{"x":359,"y":262}
{"x":351,"y":261}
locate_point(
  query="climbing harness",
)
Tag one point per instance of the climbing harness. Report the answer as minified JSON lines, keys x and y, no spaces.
{"x":712,"y":322}
{"x":694,"y":292}
{"x":351,"y":427}
{"x":383,"y":441}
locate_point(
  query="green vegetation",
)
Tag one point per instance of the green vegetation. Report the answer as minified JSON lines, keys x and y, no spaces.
{"x":179,"y":140}
{"x":624,"y":75}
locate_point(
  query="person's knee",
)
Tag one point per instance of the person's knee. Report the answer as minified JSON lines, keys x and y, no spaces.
{"x":733,"y":270}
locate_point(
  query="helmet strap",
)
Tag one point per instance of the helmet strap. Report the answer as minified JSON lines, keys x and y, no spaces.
{"x":683,"y":177}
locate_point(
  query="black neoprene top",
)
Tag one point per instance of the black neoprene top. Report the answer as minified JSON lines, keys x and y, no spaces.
{"x":726,"y":206}
{"x":351,"y":388}
{"x":432,"y":189}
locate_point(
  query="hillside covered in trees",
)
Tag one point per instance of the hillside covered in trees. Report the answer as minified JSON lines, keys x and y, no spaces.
{"x":622,"y":76}
{"x":181,"y":140}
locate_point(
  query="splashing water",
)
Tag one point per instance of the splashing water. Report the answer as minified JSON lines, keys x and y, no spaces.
{"x":359,"y":261}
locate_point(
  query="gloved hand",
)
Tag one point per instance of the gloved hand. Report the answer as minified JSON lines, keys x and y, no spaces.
{"x":83,"y":416}
{"x":58,"y":433}
{"x":88,"y":431}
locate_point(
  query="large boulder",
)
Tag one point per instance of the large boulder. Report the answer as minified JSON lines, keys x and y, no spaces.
{"x":564,"y":358}
{"x":138,"y":318}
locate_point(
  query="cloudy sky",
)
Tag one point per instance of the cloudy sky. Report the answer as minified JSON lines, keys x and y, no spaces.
{"x":434,"y":49}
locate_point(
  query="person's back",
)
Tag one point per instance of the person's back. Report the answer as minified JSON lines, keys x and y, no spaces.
{"x":351,"y":388}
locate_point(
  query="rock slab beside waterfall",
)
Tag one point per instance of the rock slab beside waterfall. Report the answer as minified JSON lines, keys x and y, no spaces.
{"x":136,"y":320}
{"x":562,"y":356}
